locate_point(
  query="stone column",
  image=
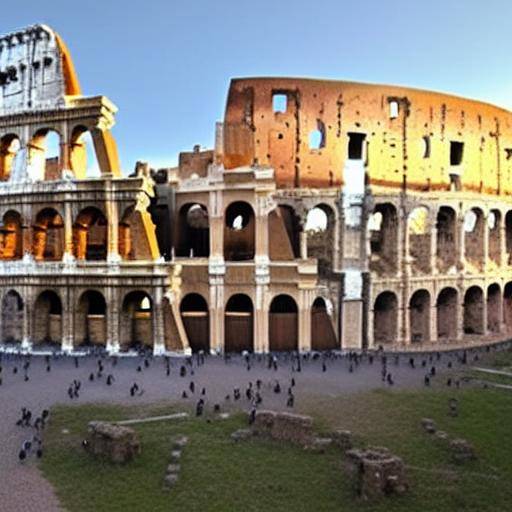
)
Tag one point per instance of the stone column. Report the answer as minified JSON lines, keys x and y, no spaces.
{"x":26,"y":341}
{"x":460,"y":317}
{"x":216,"y":314}
{"x":68,"y":233}
{"x":158,"y":322}
{"x":503,"y":244}
{"x":304,"y":321}
{"x":112,"y":317}
{"x":68,"y":318}
{"x":485,"y":242}
{"x":261,"y":323}
{"x":113,"y":231}
{"x":484,"y":314}
{"x":461,"y":244}
{"x":433,"y":322}
{"x":433,"y":250}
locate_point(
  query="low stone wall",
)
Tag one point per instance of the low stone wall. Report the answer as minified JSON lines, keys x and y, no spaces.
{"x":284,"y":426}
{"x":116,"y":443}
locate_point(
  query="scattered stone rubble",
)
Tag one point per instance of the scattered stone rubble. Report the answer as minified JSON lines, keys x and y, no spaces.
{"x":116,"y":443}
{"x":173,"y":469}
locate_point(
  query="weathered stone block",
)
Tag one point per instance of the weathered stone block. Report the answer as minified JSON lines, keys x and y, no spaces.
{"x":115,"y":442}
{"x":462,"y":450}
{"x":342,"y":439}
{"x":284,"y":426}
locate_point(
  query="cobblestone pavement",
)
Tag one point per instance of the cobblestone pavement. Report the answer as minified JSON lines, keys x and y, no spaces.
{"x":22,"y":487}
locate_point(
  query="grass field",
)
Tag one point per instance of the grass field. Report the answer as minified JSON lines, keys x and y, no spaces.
{"x":258,"y":475}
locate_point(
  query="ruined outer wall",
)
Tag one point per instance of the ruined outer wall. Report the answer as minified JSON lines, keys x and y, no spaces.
{"x":253,"y":132}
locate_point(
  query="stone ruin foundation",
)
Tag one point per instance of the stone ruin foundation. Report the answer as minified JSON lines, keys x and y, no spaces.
{"x":284,"y":426}
{"x":114,"y":442}
{"x":378,"y":473}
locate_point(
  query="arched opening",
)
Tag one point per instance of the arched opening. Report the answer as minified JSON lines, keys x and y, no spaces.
{"x":283,"y":324}
{"x":320,"y":226}
{"x":494,"y":226}
{"x":284,"y":234}
{"x":90,"y":235}
{"x":44,"y":156}
{"x":193,"y":231}
{"x":239,"y":232}
{"x":507,"y":307}
{"x":91,"y":319}
{"x":82,"y":154}
{"x":383,"y":228}
{"x":9,"y":147}
{"x":446,"y":239}
{"x":323,"y":336}
{"x":195,"y":317}
{"x":11,"y":236}
{"x":419,"y":316}
{"x":474,"y":226}
{"x":238,"y":324}
{"x":494,"y":308}
{"x":48,"y":236}
{"x":136,"y":321}
{"x":474,"y":311}
{"x":48,"y":318}
{"x":508,"y":236}
{"x":447,"y":313}
{"x":12,"y":317}
{"x":420,"y":236}
{"x":385,"y":318}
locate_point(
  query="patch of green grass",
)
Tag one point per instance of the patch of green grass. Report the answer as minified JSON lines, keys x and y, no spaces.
{"x":260,"y":475}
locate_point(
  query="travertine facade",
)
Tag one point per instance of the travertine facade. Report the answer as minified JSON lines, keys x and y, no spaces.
{"x":328,"y":215}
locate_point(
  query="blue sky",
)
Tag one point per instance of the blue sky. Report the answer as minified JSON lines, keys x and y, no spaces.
{"x":167,"y":64}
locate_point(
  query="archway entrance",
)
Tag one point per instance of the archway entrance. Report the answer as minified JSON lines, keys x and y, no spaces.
{"x":195,"y":317}
{"x":91,"y":324}
{"x":48,"y":238}
{"x":323,"y":336}
{"x":238,"y":324}
{"x":90,"y":235}
{"x":494,"y":308}
{"x":385,"y":317}
{"x":447,"y":313}
{"x":507,"y":306}
{"x":474,"y":311}
{"x":137,"y":322}
{"x":12,"y":317}
{"x":48,"y":318}
{"x":283,"y":324}
{"x":419,"y":316}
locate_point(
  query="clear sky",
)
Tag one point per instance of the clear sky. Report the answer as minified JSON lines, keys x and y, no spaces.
{"x":167,"y":64}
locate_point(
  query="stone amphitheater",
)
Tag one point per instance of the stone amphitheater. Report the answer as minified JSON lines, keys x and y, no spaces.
{"x":328,"y":215}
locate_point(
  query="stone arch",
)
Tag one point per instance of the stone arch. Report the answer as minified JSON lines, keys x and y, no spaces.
{"x":82,"y":153}
{"x":239,"y":232}
{"x":323,"y":336}
{"x":494,"y":223}
{"x":91,"y":319}
{"x":11,"y":236}
{"x":10,"y":144}
{"x":474,"y":311}
{"x":136,"y":321}
{"x":447,"y":304}
{"x":48,"y":318}
{"x":48,"y":235}
{"x":446,"y":239}
{"x":195,"y":317}
{"x":283,"y":324}
{"x":44,"y":155}
{"x":90,"y":235}
{"x":474,"y":226}
{"x":385,"y":318}
{"x":494,"y":306}
{"x":284,"y":233}
{"x":420,"y":234}
{"x":383,"y":232}
{"x":239,"y":324}
{"x":419,"y":316}
{"x":507,"y":307}
{"x":193,"y":231}
{"x":320,"y":228}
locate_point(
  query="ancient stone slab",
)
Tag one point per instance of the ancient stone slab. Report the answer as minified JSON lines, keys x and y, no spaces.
{"x":462,"y":450}
{"x":429,"y":425}
{"x":342,"y":439}
{"x":284,"y":426}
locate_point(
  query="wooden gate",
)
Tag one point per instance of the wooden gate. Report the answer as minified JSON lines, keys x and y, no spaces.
{"x":283,"y":332}
{"x":238,"y":331}
{"x":322,"y":332}
{"x":197,"y":327}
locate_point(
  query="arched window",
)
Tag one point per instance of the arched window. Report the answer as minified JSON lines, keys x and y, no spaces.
{"x":238,"y":324}
{"x":44,"y":156}
{"x":90,"y":235}
{"x":283,"y":324}
{"x":136,"y":321}
{"x":193,"y":231}
{"x":91,"y":319}
{"x":9,"y":147}
{"x":194,"y":314}
{"x":239,"y":232}
{"x":385,"y":318}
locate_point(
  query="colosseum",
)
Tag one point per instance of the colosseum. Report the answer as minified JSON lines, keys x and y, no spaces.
{"x":328,"y":215}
